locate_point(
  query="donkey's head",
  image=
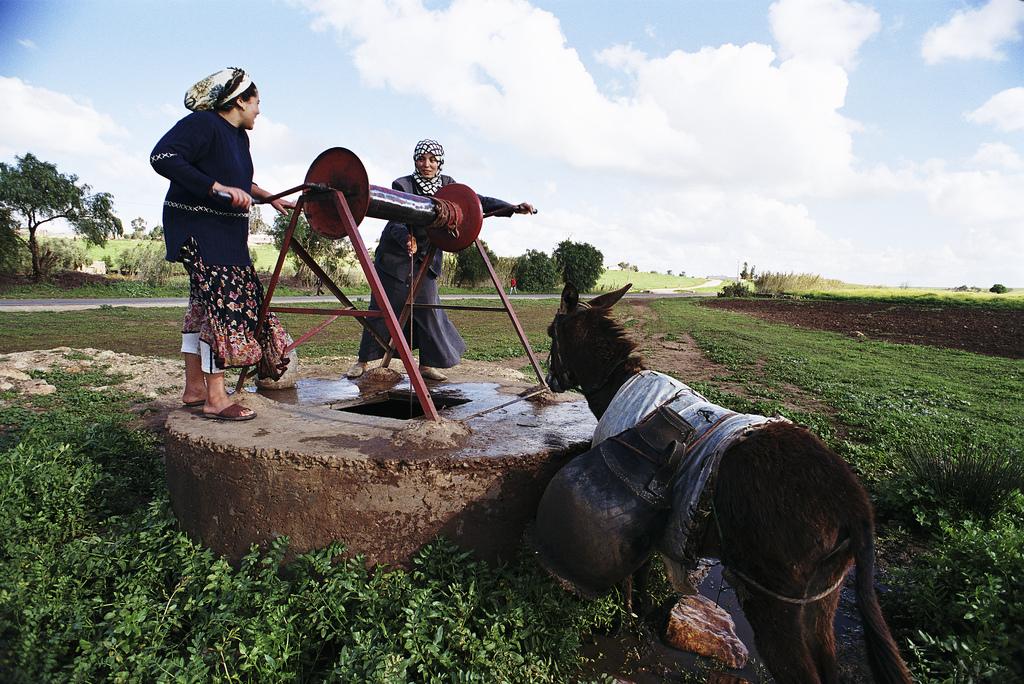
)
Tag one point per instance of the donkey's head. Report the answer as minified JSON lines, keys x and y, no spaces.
{"x":587,"y":346}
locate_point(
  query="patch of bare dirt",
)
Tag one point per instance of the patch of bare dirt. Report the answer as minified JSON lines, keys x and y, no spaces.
{"x":992,"y":331}
{"x":683,"y":359}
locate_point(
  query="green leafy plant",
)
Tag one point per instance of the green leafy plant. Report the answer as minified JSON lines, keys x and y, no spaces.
{"x":536,"y":272}
{"x":580,"y":263}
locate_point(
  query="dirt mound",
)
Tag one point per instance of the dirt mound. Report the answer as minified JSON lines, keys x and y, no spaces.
{"x":996,"y":332}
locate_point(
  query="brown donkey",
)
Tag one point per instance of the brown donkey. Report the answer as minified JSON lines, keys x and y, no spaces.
{"x":786,"y":516}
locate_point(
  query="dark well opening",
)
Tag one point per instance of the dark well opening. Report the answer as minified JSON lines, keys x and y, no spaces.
{"x":401,"y":405}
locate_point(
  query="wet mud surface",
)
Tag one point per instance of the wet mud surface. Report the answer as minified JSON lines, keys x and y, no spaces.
{"x":992,"y":331}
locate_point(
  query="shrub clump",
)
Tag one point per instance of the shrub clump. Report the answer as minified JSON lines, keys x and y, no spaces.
{"x":998,"y":288}
{"x":580,"y":263}
{"x":536,"y":272}
{"x":98,"y":584}
{"x":737,"y":289}
{"x":967,"y":606}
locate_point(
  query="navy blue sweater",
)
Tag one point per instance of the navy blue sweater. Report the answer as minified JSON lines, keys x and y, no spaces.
{"x":200,"y":149}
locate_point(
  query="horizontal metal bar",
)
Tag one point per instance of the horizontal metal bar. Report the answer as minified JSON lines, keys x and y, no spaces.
{"x":393,"y":205}
{"x":453,"y":307}
{"x":326,"y":312}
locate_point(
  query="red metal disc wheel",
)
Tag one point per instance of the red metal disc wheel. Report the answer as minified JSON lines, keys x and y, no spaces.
{"x":339,"y":169}
{"x":472,"y":218}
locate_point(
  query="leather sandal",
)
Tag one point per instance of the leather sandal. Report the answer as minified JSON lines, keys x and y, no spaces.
{"x":357,"y":369}
{"x":235,"y":412}
{"x":432,"y":373}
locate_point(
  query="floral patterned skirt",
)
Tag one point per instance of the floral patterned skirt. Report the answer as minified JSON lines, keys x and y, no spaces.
{"x":224,"y":307}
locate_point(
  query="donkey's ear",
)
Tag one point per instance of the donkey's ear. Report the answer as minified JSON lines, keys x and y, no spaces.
{"x":608,"y":300}
{"x":570,"y":298}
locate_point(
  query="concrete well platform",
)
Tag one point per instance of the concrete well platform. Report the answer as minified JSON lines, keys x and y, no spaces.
{"x":310,"y":468}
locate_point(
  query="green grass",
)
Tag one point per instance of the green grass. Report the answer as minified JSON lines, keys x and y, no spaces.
{"x":157,"y":331}
{"x":882,"y":395}
{"x":614,"y":279}
{"x":266,"y":255}
{"x":90,"y":562}
{"x":894,"y":295}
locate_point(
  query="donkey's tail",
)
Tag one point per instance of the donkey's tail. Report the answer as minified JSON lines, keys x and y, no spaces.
{"x":883,"y":655}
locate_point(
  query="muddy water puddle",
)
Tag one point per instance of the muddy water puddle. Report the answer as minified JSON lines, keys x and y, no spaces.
{"x":642,"y":658}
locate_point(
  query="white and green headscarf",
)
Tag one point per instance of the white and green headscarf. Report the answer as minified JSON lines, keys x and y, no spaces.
{"x":217,"y":89}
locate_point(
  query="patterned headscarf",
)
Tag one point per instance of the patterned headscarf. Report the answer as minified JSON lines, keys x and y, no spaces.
{"x":216,"y":89}
{"x":429,"y":185}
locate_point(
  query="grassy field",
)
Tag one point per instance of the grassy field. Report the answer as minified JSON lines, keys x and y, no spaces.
{"x":84,"y":565}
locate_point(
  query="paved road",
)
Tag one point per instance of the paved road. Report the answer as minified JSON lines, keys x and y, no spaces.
{"x":28,"y":305}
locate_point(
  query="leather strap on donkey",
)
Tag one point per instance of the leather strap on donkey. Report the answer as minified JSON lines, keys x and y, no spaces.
{"x":602,"y":514}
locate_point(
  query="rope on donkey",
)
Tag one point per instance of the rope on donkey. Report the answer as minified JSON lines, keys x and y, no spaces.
{"x":751,"y":583}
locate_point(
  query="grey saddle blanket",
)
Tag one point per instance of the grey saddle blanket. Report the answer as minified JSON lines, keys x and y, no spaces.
{"x":708,"y":431}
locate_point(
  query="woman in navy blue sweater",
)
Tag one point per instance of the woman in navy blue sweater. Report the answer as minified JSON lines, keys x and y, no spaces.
{"x":206,"y":227}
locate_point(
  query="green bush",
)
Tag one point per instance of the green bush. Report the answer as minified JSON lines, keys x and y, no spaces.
{"x":967,"y":480}
{"x":998,"y":288}
{"x":737,"y":289}
{"x":147,"y":262}
{"x":536,"y":272}
{"x":782,"y":283}
{"x":579,"y":263}
{"x":470,"y":269}
{"x":98,"y":584}
{"x":55,"y":255}
{"x":967,"y":605}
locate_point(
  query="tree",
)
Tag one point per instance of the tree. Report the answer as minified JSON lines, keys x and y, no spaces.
{"x":998,"y":288}
{"x":536,"y":272}
{"x":138,"y":228}
{"x":331,"y":255}
{"x":580,"y":264}
{"x":470,"y":269}
{"x":745,"y":273}
{"x":623,"y":265}
{"x":10,"y":242}
{"x":36,"y":193}
{"x":256,"y":223}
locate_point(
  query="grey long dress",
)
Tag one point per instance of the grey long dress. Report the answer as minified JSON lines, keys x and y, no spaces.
{"x":433,"y":334}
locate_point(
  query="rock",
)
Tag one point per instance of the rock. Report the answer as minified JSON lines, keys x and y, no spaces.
{"x":286,"y":381}
{"x":39,"y":387}
{"x":697,"y":625}
{"x":5,"y":386}
{"x":106,"y":354}
{"x":13,"y":374}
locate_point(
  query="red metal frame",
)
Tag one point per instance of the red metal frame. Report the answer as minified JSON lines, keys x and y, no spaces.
{"x":348,"y":223}
{"x":506,"y":306}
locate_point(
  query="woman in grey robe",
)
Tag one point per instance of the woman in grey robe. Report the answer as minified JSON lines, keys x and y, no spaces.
{"x":433,"y":334}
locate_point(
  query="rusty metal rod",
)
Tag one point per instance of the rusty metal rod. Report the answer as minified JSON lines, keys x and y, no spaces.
{"x":540,"y":389}
{"x":355,"y":313}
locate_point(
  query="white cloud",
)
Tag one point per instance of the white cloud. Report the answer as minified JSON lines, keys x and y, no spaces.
{"x":80,"y":140}
{"x":828,"y":30}
{"x":27,"y":43}
{"x":975,"y":33}
{"x":999,"y":156}
{"x":1004,"y":110}
{"x":36,"y":118}
{"x":729,"y":113}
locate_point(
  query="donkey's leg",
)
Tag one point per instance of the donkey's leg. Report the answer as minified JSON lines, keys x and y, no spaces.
{"x":819,"y":635}
{"x":781,"y":641}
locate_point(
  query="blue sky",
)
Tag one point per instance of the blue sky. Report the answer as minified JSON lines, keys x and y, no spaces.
{"x":876,"y":142}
